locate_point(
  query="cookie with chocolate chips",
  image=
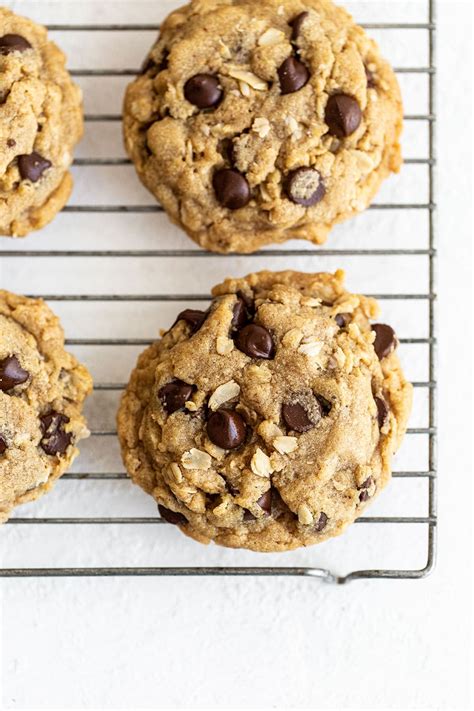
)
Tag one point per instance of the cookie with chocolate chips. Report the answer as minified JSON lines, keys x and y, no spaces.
{"x":40,"y":123}
{"x":42,"y":389}
{"x":254,"y":123}
{"x":269,"y":422}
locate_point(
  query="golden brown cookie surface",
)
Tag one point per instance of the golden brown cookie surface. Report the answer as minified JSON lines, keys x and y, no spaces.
{"x":253,"y":123}
{"x":40,"y":123}
{"x":269,"y":421}
{"x":42,"y":389}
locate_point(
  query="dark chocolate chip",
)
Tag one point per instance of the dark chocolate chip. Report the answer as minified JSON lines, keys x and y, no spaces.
{"x":203,"y":91}
{"x":364,"y":495}
{"x":177,"y":519}
{"x":342,"y":319}
{"x":296,"y":23}
{"x":385,"y":340}
{"x":231,"y":188}
{"x":32,"y":166}
{"x":371,"y":83}
{"x":296,"y":418}
{"x":304,"y":186}
{"x":255,"y":341}
{"x":226,"y":428}
{"x":55,"y":440}
{"x":293,"y":75}
{"x":239,"y":315}
{"x":343,"y":115}
{"x":11,"y":373}
{"x":244,"y":310}
{"x":3,"y":445}
{"x":366,"y":484}
{"x":11,"y":142}
{"x":193,"y":317}
{"x":321,"y":522}
{"x":248,"y":300}
{"x":174,"y":395}
{"x":13,"y":43}
{"x":265,"y":502}
{"x":382,"y":411}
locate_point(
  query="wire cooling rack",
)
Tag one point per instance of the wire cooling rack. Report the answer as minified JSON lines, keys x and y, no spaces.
{"x":108,"y":324}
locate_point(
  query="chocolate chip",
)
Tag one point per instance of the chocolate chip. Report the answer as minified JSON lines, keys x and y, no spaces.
{"x":293,"y":75}
{"x":226,"y":428}
{"x":366,"y":484}
{"x":203,"y":91}
{"x":174,"y":395}
{"x":244,"y":310}
{"x":177,"y":519}
{"x":385,"y":340}
{"x":382,"y":411}
{"x":248,"y":300}
{"x":265,"y":502}
{"x":231,"y":188}
{"x":11,"y":142}
{"x":342,"y":319}
{"x":193,"y":317}
{"x":255,"y":341}
{"x":371,"y":83}
{"x":11,"y":373}
{"x":239,"y":315}
{"x":343,"y":115}
{"x":304,"y":186}
{"x":296,"y":418}
{"x":13,"y":43}
{"x":364,"y":495}
{"x":32,"y":166}
{"x":321,"y":522}
{"x":296,"y":23}
{"x":55,"y":440}
{"x":3,"y":445}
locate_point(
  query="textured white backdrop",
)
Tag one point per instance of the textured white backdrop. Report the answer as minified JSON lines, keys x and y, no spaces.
{"x":243,"y":643}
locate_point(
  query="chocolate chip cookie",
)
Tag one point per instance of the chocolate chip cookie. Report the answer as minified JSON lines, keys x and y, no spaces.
{"x":268,"y":421}
{"x":42,"y":389}
{"x":40,"y":122}
{"x":255,"y":123}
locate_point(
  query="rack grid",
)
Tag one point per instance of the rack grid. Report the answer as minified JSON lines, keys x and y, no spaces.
{"x":427,"y":522}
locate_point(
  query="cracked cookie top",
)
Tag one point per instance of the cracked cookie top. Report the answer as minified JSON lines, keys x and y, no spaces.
{"x":42,"y":389}
{"x":256,"y":122}
{"x":40,"y":122}
{"x":268,"y":421}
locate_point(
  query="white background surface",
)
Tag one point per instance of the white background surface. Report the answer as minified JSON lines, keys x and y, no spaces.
{"x":153,"y":643}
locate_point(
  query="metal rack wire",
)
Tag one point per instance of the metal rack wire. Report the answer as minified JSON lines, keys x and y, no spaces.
{"x":426,"y":522}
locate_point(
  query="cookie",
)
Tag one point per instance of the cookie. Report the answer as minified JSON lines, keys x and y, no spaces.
{"x":268,"y":421}
{"x":253,"y":123}
{"x":42,"y":389}
{"x":40,"y":123}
